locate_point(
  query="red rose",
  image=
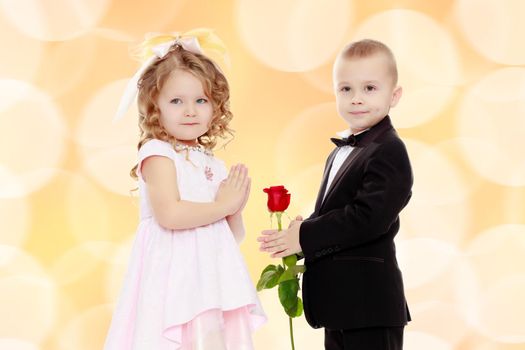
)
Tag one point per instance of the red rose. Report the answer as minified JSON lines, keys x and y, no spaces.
{"x":278,"y":198}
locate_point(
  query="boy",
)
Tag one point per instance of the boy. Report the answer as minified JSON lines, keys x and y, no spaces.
{"x":352,"y":285}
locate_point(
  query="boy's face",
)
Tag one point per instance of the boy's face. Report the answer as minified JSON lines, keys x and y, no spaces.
{"x":364,"y":90}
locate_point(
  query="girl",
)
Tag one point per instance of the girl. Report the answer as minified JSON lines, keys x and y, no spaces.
{"x":187,"y":286}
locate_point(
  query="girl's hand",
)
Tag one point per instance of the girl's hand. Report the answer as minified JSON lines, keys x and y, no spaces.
{"x":232,"y":192}
{"x":246,"y":196}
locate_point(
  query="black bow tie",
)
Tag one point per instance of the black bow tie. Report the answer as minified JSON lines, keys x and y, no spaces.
{"x":351,"y":140}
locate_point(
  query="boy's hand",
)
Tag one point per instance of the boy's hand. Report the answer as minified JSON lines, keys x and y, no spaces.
{"x":281,"y":243}
{"x":297,"y":218}
{"x":234,"y":190}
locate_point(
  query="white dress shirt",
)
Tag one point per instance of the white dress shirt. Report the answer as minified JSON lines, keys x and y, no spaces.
{"x":340,"y":157}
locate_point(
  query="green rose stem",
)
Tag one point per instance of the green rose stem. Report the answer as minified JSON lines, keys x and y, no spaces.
{"x":286,"y":278}
{"x":280,"y":228}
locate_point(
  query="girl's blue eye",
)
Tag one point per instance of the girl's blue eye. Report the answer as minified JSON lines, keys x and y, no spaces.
{"x":176,"y":101}
{"x":202,"y":100}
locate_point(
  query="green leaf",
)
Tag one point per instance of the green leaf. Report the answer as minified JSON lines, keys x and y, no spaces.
{"x":291,"y":273}
{"x":290,"y":260}
{"x":299,"y":310}
{"x":269,"y":277}
{"x":288,"y":294}
{"x":287,"y":275}
{"x":296,"y":310}
{"x":300,"y":268}
{"x":293,"y":310}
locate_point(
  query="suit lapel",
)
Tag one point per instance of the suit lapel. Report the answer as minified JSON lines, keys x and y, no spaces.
{"x":327,"y":169}
{"x":366,"y":139}
{"x":344,"y":168}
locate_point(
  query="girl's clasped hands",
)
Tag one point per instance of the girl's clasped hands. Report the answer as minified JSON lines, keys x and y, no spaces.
{"x":234,"y":191}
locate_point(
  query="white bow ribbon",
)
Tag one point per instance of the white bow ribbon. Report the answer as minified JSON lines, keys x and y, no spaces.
{"x":159,"y":51}
{"x":187,"y":43}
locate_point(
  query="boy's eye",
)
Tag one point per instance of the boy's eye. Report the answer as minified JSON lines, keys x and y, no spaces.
{"x":202,"y":100}
{"x":345,"y":88}
{"x":176,"y":101}
{"x":370,"y":88}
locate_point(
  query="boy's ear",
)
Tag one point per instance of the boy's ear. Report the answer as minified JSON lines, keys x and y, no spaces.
{"x":396,"y":95}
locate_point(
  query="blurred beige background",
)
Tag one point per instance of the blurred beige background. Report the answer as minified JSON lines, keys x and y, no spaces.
{"x":67,"y":219}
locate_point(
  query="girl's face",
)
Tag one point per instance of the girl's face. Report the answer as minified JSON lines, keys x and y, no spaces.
{"x":185,"y":110}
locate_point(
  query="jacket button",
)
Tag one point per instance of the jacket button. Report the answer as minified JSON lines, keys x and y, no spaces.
{"x":337,"y":248}
{"x":330,"y":250}
{"x":317,"y":255}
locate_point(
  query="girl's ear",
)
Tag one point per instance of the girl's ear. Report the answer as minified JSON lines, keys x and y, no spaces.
{"x":396,"y":95}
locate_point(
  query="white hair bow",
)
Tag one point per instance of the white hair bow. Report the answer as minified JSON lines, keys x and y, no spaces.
{"x":157,"y":47}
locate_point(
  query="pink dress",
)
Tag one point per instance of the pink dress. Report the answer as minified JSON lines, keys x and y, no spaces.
{"x":185,"y":289}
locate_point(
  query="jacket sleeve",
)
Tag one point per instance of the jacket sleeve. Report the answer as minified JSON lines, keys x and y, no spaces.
{"x":385,"y":190}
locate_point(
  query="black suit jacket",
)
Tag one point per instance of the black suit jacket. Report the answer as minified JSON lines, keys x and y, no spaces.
{"x":352,"y":278}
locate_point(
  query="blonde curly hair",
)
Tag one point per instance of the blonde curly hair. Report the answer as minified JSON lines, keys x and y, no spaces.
{"x":215,"y":87}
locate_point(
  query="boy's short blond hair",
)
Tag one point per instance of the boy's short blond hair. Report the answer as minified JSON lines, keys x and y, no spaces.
{"x":368,"y":47}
